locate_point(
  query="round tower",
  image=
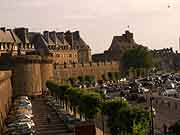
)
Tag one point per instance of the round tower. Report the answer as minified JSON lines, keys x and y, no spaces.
{"x":46,"y":71}
{"x":26,"y":78}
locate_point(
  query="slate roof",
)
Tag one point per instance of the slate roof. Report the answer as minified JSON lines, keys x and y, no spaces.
{"x":39,"y":42}
{"x":5,"y":36}
{"x":78,"y":41}
{"x":61,"y":37}
{"x":31,"y":36}
{"x":22,"y":34}
{"x":55,"y":39}
{"x":15,"y":37}
{"x":49,"y":41}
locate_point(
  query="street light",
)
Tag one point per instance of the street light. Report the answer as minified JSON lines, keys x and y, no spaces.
{"x":152,"y":115}
{"x":103,"y":100}
{"x":152,"y":110}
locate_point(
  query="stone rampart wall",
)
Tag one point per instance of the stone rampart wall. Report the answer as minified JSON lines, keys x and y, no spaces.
{"x":64,"y":71}
{"x":27,"y":79}
{"x":167,"y":110}
{"x":5,"y":95}
{"x":30,"y":74}
{"x":46,"y":74}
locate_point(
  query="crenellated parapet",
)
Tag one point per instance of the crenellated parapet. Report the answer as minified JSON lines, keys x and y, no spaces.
{"x":30,"y":73}
{"x":90,"y":64}
{"x":165,"y":52}
{"x":118,"y":46}
{"x":64,"y":71}
{"x":5,"y":95}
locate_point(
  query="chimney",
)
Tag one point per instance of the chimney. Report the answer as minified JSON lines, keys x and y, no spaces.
{"x":76,"y":35}
{"x":69,"y":37}
{"x":3,"y":29}
{"x":46,"y":35}
{"x":22,"y":33}
{"x":53,"y":36}
{"x":60,"y":36}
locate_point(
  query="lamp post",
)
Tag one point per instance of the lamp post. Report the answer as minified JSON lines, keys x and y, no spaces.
{"x":103,"y":100}
{"x":152,"y":110}
{"x":152,"y":115}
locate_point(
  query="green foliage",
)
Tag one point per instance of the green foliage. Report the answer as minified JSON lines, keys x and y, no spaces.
{"x":123,"y":118}
{"x":72,"y":80}
{"x":111,"y":106}
{"x":105,"y":77}
{"x":137,"y":58}
{"x":111,"y":76}
{"x":81,"y":78}
{"x":87,"y":102}
{"x":60,"y":90}
{"x":91,"y":103}
{"x":90,"y":78}
{"x":117,"y":75}
{"x":175,"y":128}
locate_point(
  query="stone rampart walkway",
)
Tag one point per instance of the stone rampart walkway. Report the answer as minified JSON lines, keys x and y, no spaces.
{"x":41,"y":111}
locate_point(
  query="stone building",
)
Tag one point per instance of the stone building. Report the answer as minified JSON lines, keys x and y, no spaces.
{"x":66,"y":47}
{"x":54,"y":44}
{"x":77,"y":43}
{"x":15,"y":42}
{"x":118,"y":46}
{"x":167,"y":59}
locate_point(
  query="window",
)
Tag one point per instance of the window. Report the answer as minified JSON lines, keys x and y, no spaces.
{"x":32,"y":46}
{"x":8,"y":46}
{"x":1,"y":47}
{"x":4,"y":46}
{"x":15,"y":47}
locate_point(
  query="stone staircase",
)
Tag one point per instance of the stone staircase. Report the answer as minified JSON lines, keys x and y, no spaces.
{"x":55,"y":127}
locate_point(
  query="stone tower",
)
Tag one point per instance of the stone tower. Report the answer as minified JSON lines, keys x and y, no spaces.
{"x":30,"y":74}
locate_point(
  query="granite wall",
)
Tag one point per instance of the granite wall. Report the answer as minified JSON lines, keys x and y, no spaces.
{"x":5,"y":95}
{"x":63,"y":71}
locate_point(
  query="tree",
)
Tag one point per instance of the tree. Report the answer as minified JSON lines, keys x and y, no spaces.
{"x":175,"y":128}
{"x":125,"y":119}
{"x":81,"y":78}
{"x":117,"y":76}
{"x":105,"y":77}
{"x":72,"y":80}
{"x":137,"y":58}
{"x":86,"y":102}
{"x":90,"y":78}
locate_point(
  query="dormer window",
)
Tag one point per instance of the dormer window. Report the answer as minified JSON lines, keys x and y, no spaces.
{"x":15,"y":47}
{"x":32,"y":46}
{"x":24,"y":46}
{"x":4,"y":46}
{"x":8,"y":45}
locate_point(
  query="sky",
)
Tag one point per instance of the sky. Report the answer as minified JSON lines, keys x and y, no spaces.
{"x":152,"y":22}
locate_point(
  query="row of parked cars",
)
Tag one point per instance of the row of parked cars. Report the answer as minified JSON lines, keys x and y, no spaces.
{"x":19,"y":120}
{"x":167,"y":84}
